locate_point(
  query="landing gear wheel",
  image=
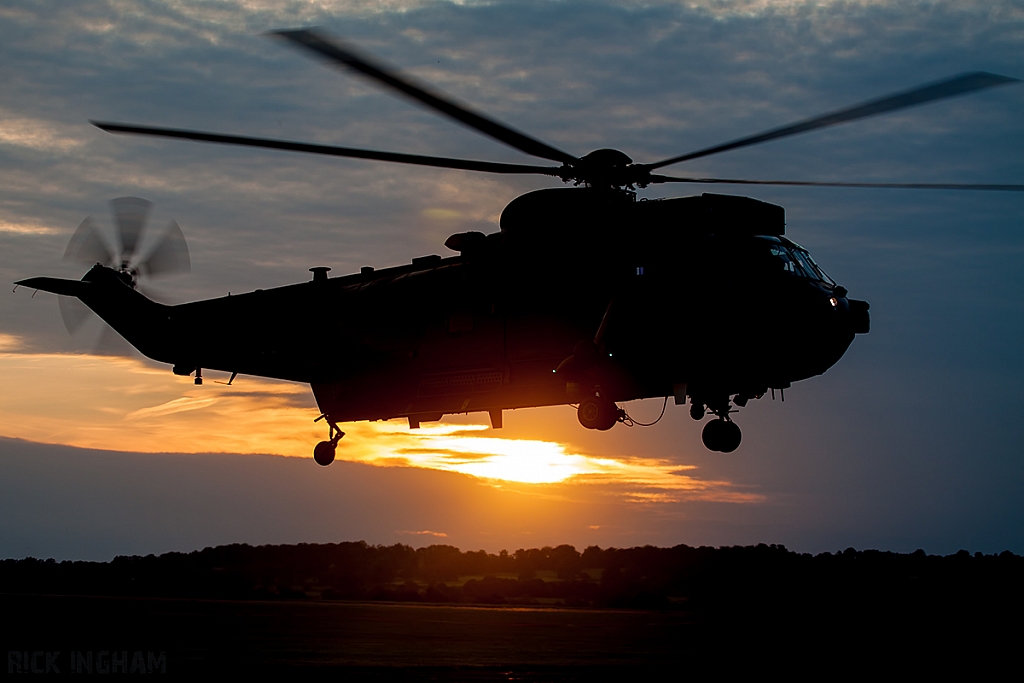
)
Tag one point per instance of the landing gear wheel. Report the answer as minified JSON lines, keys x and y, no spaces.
{"x":730,"y":436}
{"x":324,"y":453}
{"x":598,"y":413}
{"x":722,"y":436}
{"x":697,"y":410}
{"x":711,"y":435}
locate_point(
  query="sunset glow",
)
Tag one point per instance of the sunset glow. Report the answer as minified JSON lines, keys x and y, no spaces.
{"x":459,"y":448}
{"x":125,"y":404}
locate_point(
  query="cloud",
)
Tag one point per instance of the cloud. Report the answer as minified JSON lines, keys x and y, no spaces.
{"x":26,"y":229}
{"x":9,"y":342}
{"x":125,"y":404}
{"x":33,"y":134}
{"x":177,"y":405}
{"x":70,"y":503}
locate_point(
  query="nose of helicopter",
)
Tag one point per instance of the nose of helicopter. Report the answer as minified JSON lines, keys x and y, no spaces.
{"x":838,"y":320}
{"x":859,"y":319}
{"x":851,"y":318}
{"x":853,"y":313}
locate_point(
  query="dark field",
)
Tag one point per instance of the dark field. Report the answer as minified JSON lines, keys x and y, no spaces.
{"x":393,"y":641}
{"x":372,"y":640}
{"x":548,"y":614}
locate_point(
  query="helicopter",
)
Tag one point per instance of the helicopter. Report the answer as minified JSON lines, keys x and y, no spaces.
{"x":586,"y":296}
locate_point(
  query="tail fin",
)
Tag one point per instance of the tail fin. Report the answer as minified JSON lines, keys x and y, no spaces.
{"x":141,"y":321}
{"x":56,"y":285}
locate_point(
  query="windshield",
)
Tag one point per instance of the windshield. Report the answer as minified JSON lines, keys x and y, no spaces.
{"x":799,"y":262}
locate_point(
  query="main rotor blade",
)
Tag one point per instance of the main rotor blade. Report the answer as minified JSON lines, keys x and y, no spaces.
{"x":317,"y":42}
{"x":87,"y":247}
{"x":329,"y":150}
{"x":130,"y":219}
{"x":810,"y":183}
{"x":958,"y":85}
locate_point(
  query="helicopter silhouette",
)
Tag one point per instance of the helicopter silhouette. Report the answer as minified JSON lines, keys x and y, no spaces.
{"x":586,"y":295}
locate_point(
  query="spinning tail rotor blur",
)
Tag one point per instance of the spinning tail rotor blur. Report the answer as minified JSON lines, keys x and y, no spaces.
{"x":169,"y":255}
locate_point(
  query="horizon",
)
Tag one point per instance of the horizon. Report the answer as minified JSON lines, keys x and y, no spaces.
{"x":185,"y":518}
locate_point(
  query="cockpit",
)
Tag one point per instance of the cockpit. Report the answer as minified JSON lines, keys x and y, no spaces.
{"x":795,"y":260}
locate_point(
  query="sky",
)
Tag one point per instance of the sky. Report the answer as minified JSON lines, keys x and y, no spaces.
{"x":913,"y":440}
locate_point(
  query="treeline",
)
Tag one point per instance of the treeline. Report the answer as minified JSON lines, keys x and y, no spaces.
{"x":720,"y":580}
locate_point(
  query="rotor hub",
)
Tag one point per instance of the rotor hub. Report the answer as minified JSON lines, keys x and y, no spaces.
{"x":608,"y":168}
{"x":606,"y":159}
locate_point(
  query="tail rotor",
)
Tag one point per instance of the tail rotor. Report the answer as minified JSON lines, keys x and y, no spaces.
{"x":168,"y":255}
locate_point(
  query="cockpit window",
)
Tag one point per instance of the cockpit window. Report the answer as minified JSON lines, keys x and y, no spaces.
{"x":788,"y":262}
{"x":813,"y":267}
{"x":799,"y":262}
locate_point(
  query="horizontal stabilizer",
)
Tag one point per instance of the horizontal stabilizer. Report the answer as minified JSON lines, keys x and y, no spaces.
{"x":56,"y":285}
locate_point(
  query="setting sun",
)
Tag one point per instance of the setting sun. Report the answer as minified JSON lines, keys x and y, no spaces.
{"x":459,"y":448}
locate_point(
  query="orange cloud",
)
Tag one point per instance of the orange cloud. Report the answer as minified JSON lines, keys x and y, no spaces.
{"x":126,"y":404}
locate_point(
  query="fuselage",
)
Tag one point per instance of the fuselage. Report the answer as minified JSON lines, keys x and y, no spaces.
{"x":704,"y":294}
